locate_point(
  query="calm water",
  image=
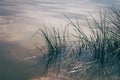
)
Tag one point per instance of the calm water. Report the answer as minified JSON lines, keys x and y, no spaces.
{"x":19,"y":19}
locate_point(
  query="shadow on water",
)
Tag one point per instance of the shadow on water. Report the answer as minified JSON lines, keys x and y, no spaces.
{"x":12,"y":68}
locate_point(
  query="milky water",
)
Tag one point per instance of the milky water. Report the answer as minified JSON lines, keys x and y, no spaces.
{"x":20,"y":19}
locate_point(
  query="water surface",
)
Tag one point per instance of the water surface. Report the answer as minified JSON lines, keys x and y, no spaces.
{"x":20,"y":19}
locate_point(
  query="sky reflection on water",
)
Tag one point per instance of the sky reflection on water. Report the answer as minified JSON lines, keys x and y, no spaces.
{"x":24,"y":14}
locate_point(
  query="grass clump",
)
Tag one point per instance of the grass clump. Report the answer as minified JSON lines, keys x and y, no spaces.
{"x":94,"y":57}
{"x":55,"y":51}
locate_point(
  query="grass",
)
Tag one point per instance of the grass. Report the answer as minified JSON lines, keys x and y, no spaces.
{"x":94,"y":57}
